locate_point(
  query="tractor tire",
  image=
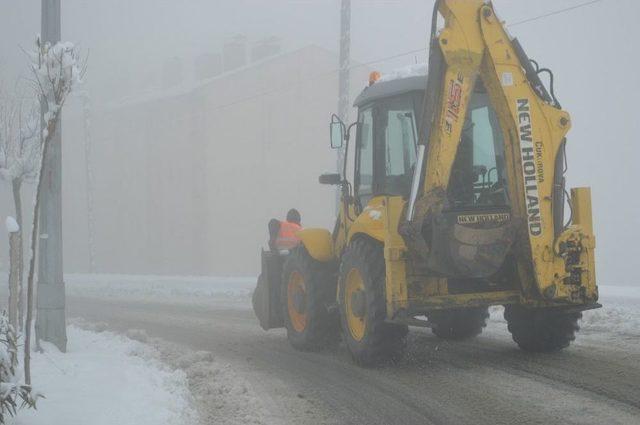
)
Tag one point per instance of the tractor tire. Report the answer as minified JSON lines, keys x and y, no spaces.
{"x":308,"y":291}
{"x":363,"y":312}
{"x":459,"y":324}
{"x":540,"y":331}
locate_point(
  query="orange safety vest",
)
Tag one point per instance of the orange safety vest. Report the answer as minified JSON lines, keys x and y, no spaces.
{"x":287,"y":238}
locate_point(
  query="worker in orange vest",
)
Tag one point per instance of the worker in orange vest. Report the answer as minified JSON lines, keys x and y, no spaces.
{"x":282,"y":234}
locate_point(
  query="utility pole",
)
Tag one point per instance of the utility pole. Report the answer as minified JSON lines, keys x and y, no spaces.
{"x":86,"y":109}
{"x":51,"y":321}
{"x":344,"y":77}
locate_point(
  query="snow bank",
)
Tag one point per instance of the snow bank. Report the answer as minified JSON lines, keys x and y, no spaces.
{"x":618,"y":321}
{"x":12,"y":225}
{"x":221,"y":393}
{"x":106,"y":379}
{"x":160,"y":288}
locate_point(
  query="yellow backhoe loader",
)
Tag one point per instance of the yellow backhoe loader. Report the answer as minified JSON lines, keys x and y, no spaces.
{"x":457,"y":203}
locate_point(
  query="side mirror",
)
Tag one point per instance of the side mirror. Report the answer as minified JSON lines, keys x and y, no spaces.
{"x":330,"y":179}
{"x":338,"y":132}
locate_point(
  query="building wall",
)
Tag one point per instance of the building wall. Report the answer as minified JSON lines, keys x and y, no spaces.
{"x":185,"y":182}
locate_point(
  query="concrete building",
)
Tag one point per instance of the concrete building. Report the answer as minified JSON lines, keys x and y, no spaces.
{"x":264,"y":48}
{"x":208,"y":65}
{"x":186,"y":181}
{"x":234,"y":53}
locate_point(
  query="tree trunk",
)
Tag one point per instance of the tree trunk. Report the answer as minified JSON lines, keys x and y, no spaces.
{"x":14,"y":254}
{"x":17,"y":202}
{"x":32,"y":266}
{"x":32,"y":261}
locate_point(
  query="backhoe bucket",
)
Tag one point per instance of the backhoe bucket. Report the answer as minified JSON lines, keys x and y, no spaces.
{"x":266,"y":297}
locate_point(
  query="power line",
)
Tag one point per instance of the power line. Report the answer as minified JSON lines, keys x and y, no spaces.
{"x":399,"y":55}
{"x":410,"y":52}
{"x":387,"y":58}
{"x":556,"y":12}
{"x":535,"y":18}
{"x":333,"y":72}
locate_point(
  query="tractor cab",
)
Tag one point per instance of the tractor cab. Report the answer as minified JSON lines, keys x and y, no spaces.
{"x":470,"y":233}
{"x":386,"y":137}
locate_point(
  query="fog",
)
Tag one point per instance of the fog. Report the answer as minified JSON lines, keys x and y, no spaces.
{"x":188,"y":161}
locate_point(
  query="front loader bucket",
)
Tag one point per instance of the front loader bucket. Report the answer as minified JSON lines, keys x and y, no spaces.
{"x":266,"y":297}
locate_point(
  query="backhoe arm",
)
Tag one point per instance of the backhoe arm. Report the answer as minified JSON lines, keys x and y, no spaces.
{"x":474,"y":53}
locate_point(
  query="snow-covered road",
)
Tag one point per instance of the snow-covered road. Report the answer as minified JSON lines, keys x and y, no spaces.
{"x":485,"y":380}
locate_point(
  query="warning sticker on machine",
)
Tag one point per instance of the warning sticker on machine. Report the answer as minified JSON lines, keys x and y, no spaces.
{"x":454,"y":99}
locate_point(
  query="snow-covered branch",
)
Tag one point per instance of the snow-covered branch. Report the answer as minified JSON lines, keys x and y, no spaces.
{"x":25,"y":136}
{"x":19,"y":138}
{"x":56,"y":69}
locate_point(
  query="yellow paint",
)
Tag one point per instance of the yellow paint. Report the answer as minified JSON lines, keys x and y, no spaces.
{"x":549,"y":127}
{"x":296,"y":288}
{"x":442,"y":302}
{"x":318,"y":243}
{"x":395,"y":257}
{"x":371,"y":221}
{"x":581,"y":204}
{"x":354,"y":286}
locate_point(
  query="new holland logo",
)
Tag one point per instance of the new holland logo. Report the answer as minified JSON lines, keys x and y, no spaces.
{"x":529,"y":170}
{"x":484,"y":218}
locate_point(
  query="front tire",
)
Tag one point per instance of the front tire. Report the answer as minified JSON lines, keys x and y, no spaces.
{"x":459,"y":324}
{"x":363,"y":312}
{"x":541,"y":331}
{"x":308,"y":289}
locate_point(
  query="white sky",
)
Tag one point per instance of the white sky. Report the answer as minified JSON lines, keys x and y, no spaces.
{"x":592,"y":50}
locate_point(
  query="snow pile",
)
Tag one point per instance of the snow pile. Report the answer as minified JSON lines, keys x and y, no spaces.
{"x":618,"y":321}
{"x":12,"y":225}
{"x":106,"y":379}
{"x":234,"y":400}
{"x":160,"y":288}
{"x":221,"y":395}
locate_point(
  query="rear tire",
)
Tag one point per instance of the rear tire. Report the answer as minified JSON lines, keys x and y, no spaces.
{"x":458,"y":324}
{"x":308,"y":289}
{"x":541,"y":331}
{"x":363,"y":312}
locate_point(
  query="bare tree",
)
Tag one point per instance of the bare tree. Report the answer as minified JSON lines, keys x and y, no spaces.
{"x":19,"y":159}
{"x":14,"y":236}
{"x":56,"y":70}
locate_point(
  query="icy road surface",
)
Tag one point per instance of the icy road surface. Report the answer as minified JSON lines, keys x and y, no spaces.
{"x":256,"y":377}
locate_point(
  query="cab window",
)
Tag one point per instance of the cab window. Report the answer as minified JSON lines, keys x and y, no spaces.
{"x":387,"y":146}
{"x":478,"y":176}
{"x":364,"y":157}
{"x":399,"y":131}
